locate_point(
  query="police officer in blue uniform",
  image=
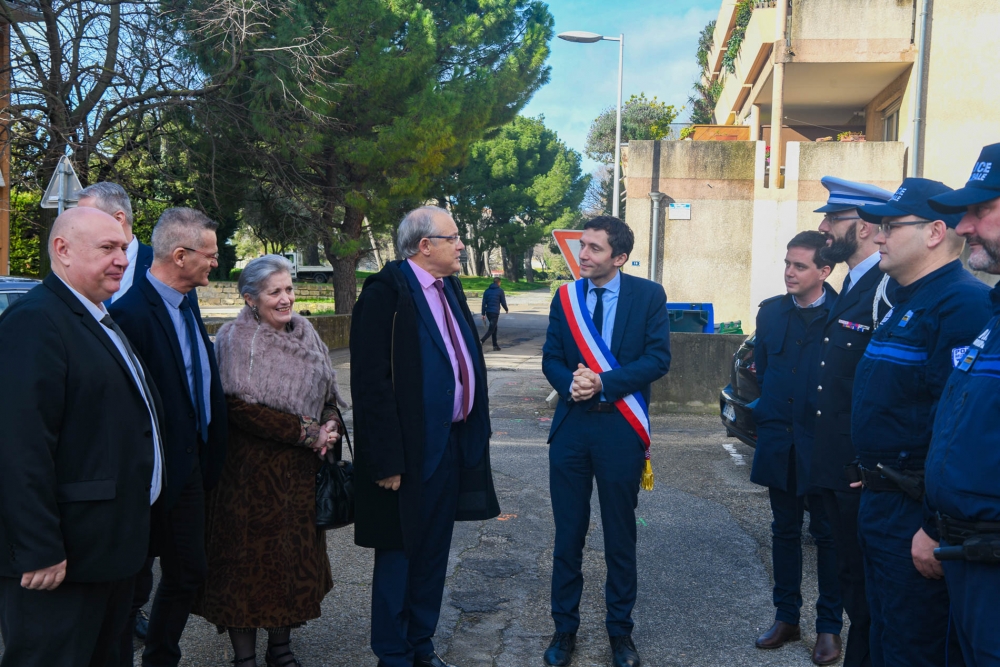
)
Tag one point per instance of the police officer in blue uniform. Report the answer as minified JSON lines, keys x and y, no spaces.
{"x":789,"y":330}
{"x":938,"y":309}
{"x":963,"y":464}
{"x":848,"y":328}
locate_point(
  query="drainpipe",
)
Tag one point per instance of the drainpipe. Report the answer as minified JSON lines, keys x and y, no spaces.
{"x":777,"y":96}
{"x":654,"y":237}
{"x":919,"y":107}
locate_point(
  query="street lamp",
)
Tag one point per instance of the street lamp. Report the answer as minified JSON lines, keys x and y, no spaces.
{"x":590,"y":38}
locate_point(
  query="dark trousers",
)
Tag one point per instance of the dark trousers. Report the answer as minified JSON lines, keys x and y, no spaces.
{"x":76,"y":625}
{"x":491,"y":330}
{"x":407,"y":592}
{"x":140,"y":596}
{"x":589,"y":446}
{"x":787,"y":510}
{"x":909,"y":626}
{"x":842,"y":509}
{"x":179,"y":540}
{"x":974,"y":589}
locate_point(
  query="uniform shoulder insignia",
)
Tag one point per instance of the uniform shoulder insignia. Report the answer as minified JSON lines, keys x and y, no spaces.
{"x":769,"y":300}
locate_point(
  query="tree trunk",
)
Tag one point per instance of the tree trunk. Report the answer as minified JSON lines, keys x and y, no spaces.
{"x":310,"y":254}
{"x":344,"y":261}
{"x":508,"y":265}
{"x":529,"y":273}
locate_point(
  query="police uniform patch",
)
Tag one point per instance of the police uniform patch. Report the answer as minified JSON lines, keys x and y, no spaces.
{"x":886,"y":318}
{"x":970,"y":358}
{"x":981,"y":339}
{"x":957,"y":354}
{"x":905,"y":319}
{"x":854,"y":326}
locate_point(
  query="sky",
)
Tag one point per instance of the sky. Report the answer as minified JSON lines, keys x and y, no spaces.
{"x":661,"y":37}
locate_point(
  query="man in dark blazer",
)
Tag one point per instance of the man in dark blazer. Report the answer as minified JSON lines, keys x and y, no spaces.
{"x":113,"y":200}
{"x":80,"y":457}
{"x":786,"y":352}
{"x":591,"y":437}
{"x":165,"y":327}
{"x":849,"y":326}
{"x":422,"y":426}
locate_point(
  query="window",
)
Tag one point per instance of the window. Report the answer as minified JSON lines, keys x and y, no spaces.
{"x":890,"y":121}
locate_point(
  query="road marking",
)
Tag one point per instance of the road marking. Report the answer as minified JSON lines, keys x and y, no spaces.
{"x":737,"y":457}
{"x":641,"y":521}
{"x":506,"y":517}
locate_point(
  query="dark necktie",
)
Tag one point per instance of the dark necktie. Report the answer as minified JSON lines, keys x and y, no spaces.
{"x":198,"y":399}
{"x":463,"y":368}
{"x":847,"y":284}
{"x":599,"y":310}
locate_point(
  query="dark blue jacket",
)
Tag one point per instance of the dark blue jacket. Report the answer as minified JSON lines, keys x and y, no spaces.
{"x":963,"y":464}
{"x":493,"y":299}
{"x":786,"y":355}
{"x":908,"y":361}
{"x":849,"y":327}
{"x":143,"y":316}
{"x":640,"y":343}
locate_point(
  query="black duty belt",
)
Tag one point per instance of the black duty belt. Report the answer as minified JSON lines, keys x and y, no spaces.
{"x":956,"y":531}
{"x":602,"y":406}
{"x":886,"y":478}
{"x":977,"y":541}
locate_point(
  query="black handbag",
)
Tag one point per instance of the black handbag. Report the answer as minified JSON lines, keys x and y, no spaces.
{"x":335,"y":489}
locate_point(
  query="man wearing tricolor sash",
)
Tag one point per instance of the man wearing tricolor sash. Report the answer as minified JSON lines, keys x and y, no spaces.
{"x":608,"y":340}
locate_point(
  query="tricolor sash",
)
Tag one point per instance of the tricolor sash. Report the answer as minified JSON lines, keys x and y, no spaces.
{"x":598,"y":357}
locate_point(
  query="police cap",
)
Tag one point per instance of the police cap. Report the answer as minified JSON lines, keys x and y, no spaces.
{"x":983,"y":184}
{"x":911,"y":198}
{"x":845,"y":195}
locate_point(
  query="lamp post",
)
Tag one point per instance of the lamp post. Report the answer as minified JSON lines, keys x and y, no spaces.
{"x":590,"y":38}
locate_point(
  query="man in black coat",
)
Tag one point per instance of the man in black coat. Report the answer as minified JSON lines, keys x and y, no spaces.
{"x":165,"y":327}
{"x":422,"y":425}
{"x":493,"y":299}
{"x":846,"y":334}
{"x":80,"y":457}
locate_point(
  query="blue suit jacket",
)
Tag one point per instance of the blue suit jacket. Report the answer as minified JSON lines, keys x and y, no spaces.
{"x":143,"y":316}
{"x":640,"y":342}
{"x":439,"y":382}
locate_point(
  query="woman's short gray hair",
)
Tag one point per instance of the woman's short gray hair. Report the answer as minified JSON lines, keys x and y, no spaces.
{"x":416,"y":225}
{"x":110,"y":198}
{"x":258,"y":271}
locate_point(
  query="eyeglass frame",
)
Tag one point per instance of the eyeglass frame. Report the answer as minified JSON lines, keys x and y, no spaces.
{"x":828,"y":218}
{"x":211,"y":258}
{"x":885,"y":228}
{"x":454,"y":238}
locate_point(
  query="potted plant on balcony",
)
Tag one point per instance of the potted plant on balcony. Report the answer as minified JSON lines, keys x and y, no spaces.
{"x":851,"y":136}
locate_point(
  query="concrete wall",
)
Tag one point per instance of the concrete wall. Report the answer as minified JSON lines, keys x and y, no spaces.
{"x":875,"y":20}
{"x":699,"y":369}
{"x":335,"y":330}
{"x":706,"y":258}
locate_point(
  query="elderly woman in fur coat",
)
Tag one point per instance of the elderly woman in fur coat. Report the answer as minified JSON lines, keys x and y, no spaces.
{"x":267,"y":561}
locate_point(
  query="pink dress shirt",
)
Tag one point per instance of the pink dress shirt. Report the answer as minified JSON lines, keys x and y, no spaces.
{"x":426,"y":281}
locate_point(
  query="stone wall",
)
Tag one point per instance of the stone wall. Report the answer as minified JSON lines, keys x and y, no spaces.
{"x":226,"y":293}
{"x":335,"y":330}
{"x":699,"y":368}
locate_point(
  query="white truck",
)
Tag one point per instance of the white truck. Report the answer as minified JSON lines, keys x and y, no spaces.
{"x":320,"y":273}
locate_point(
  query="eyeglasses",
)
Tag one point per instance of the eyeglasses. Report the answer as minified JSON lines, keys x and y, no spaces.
{"x":214,"y":257}
{"x":887,"y":227}
{"x":450,"y":239}
{"x":840,"y":219}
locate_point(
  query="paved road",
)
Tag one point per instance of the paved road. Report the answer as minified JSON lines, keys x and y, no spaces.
{"x":704,"y":548}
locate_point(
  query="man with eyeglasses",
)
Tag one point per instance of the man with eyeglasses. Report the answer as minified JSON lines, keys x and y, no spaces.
{"x":846,"y":332}
{"x":163,"y":323}
{"x":963,"y":463}
{"x":938,"y":309}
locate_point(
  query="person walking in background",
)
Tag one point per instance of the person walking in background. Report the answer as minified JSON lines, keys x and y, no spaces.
{"x":938,"y":309}
{"x":788,"y":340}
{"x":608,"y":340}
{"x":267,"y":560}
{"x":165,"y":328}
{"x":422,"y":427}
{"x":80,"y":456}
{"x":493,"y":299}
{"x":863,"y":301}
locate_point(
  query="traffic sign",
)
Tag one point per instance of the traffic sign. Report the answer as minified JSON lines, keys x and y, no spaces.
{"x":64,"y":188}
{"x":568,"y":241}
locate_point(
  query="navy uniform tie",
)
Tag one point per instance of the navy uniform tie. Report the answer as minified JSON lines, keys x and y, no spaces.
{"x":847,"y":284}
{"x":200,"y":409}
{"x":599,"y":310}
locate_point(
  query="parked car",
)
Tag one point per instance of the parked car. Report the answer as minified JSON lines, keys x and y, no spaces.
{"x":736,"y":399}
{"x":13,"y":288}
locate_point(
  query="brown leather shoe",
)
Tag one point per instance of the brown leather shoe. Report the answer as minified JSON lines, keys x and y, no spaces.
{"x":780,"y":634}
{"x":828,"y":648}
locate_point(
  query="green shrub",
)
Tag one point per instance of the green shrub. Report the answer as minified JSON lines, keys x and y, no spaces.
{"x":234,"y":274}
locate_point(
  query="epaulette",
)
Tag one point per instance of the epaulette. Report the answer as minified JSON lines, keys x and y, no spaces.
{"x":769,"y":300}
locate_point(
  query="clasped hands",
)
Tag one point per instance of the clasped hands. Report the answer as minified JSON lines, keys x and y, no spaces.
{"x":329,"y":434}
{"x":586,"y":384}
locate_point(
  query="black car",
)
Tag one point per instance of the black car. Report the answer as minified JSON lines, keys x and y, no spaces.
{"x":13,"y":288}
{"x":742,"y":390}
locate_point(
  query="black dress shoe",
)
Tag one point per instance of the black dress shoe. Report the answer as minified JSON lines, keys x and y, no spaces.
{"x":432,"y":660}
{"x":778,"y":635}
{"x":496,"y":348}
{"x":141,"y":625}
{"x":560,"y":649}
{"x":623,"y":652}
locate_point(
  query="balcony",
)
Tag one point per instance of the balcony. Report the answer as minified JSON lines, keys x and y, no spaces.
{"x":754,"y":55}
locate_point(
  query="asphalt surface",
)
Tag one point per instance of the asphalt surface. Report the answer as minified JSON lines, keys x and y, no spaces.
{"x":703,"y":548}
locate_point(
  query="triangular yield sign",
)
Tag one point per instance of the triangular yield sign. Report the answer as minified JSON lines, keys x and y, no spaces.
{"x":64,"y":181}
{"x":568,"y":241}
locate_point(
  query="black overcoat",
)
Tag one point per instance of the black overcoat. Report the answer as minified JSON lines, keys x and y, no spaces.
{"x":386,"y":388}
